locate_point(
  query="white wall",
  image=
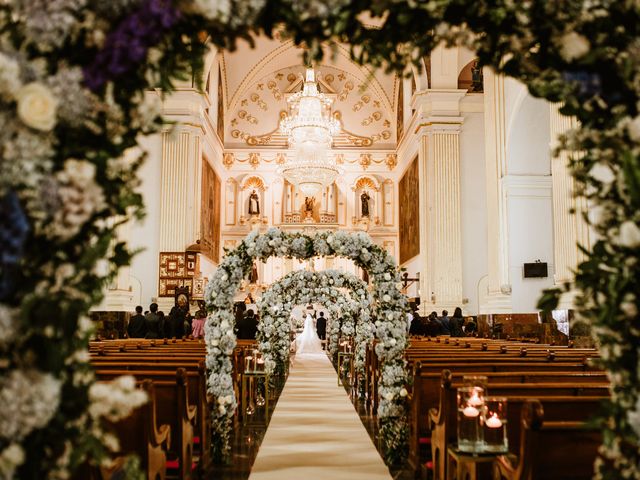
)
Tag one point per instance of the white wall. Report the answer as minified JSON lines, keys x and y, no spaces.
{"x":146,"y":233}
{"x":473,"y":202}
{"x":527,"y":189}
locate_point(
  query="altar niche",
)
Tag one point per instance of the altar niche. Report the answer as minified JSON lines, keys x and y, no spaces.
{"x":391,"y":307}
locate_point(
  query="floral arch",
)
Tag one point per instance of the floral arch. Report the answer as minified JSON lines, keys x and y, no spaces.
{"x":72,"y":164}
{"x":391,"y":308}
{"x":302,"y":287}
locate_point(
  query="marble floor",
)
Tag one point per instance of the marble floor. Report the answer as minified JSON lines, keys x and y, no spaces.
{"x":315,"y":431}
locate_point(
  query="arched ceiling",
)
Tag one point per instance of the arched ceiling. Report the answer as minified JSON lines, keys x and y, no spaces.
{"x":257,"y":82}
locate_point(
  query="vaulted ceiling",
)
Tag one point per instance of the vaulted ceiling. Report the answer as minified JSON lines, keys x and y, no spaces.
{"x":257,"y":82}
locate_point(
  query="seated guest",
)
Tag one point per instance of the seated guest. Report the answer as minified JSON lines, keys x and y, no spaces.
{"x":152,"y":322}
{"x":433,"y":325}
{"x":247,"y":328}
{"x":197,"y":330}
{"x":456,"y":323}
{"x":470,"y":326}
{"x":416,"y":325}
{"x":136,"y":327}
{"x":445,"y":324}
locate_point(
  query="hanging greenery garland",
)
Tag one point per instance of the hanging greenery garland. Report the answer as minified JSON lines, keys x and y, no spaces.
{"x":74,"y":101}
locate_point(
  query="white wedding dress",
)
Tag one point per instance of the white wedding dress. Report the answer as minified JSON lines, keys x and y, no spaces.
{"x":308,"y":341}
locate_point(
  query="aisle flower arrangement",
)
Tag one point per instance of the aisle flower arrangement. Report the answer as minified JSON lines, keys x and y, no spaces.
{"x":390,"y":326}
{"x":75,"y":80}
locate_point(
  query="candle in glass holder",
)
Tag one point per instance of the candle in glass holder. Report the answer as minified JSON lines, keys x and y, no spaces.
{"x":494,"y":420}
{"x":247,"y":363}
{"x":470,"y":405}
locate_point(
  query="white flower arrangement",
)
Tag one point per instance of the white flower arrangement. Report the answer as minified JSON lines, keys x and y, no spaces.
{"x":390,"y":305}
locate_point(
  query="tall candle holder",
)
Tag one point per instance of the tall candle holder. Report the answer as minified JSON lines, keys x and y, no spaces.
{"x":470,"y":407}
{"x":494,"y":425}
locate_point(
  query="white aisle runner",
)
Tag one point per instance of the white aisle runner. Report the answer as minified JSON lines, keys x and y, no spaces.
{"x":315,"y":432}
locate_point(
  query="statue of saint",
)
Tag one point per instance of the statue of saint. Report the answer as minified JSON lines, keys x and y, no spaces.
{"x":254,"y":204}
{"x":364,"y":199}
{"x":254,"y":274}
{"x":308,"y":205}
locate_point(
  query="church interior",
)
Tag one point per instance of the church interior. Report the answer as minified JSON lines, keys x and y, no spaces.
{"x":304,"y":256}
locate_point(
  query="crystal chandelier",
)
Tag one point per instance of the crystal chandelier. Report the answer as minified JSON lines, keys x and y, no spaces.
{"x":310,"y":129}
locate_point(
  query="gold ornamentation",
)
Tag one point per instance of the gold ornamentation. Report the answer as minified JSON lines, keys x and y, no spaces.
{"x":374,"y":117}
{"x":254,"y":159}
{"x":340,"y":158}
{"x":391,"y":160}
{"x":346,"y":89}
{"x":365,"y":160}
{"x":254,"y":182}
{"x":244,"y":115}
{"x":365,"y":183}
{"x":281,"y":158}
{"x":228,"y":159}
{"x":255,"y":98}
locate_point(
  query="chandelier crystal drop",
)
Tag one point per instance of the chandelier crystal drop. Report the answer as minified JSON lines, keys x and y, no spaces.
{"x":310,"y":128}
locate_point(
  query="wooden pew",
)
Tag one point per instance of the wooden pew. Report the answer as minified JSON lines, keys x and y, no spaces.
{"x":173,"y":408}
{"x":443,"y":419}
{"x":140,"y":434}
{"x":425,"y":391}
{"x":548,"y":449}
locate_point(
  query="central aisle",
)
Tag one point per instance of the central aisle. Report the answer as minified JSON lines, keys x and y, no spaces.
{"x":315,"y":432}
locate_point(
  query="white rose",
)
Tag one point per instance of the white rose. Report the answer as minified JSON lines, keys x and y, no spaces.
{"x":573,"y":45}
{"x":388,"y":396}
{"x":387,"y":276}
{"x":13,"y":455}
{"x":386,"y":298}
{"x":101,"y":268}
{"x":629,"y":235}
{"x":403,"y":392}
{"x":603,"y":173}
{"x":36,"y":106}
{"x":634,"y":129}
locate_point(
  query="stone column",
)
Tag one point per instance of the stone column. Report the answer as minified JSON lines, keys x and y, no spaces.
{"x":439,"y":197}
{"x":498,"y":295}
{"x":181,"y":174}
{"x":569,"y":229}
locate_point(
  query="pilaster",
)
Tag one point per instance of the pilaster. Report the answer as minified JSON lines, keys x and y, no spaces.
{"x":498,"y":296}
{"x":569,"y":229}
{"x":439,"y":197}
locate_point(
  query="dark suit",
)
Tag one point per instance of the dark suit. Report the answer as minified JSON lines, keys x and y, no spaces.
{"x":152,"y":324}
{"x":416,"y":326}
{"x":321,"y":327}
{"x":247,"y":328}
{"x":177,"y":317}
{"x":136,"y":327}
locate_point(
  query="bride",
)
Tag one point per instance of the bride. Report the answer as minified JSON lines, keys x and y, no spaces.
{"x":308,"y":341}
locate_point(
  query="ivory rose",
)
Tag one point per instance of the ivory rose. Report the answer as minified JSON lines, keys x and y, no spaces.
{"x":37,"y":106}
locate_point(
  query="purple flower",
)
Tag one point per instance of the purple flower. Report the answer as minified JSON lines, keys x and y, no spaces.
{"x":126,"y":47}
{"x":14,"y":229}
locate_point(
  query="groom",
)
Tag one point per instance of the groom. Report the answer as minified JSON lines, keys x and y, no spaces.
{"x":321,"y":326}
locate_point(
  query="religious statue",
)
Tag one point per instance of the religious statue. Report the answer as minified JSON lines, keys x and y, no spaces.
{"x":308,"y":205}
{"x":248,"y":300}
{"x":254,"y":204}
{"x":477,"y":78}
{"x":364,"y":199}
{"x":254,"y":274}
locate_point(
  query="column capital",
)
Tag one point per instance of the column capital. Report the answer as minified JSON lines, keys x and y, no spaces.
{"x":442,"y":102}
{"x":439,"y":124}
